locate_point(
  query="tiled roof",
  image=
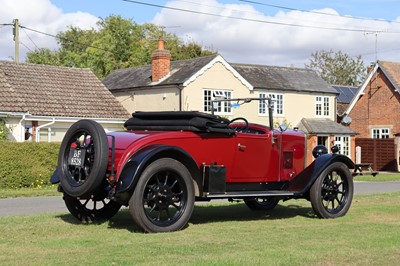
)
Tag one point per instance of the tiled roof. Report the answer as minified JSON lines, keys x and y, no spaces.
{"x":323,"y":126}
{"x":55,"y":91}
{"x":283,"y":78}
{"x":268,"y":77}
{"x":135,"y":77}
{"x":392,"y":70}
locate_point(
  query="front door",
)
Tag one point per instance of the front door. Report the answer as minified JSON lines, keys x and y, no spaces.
{"x":256,"y":159}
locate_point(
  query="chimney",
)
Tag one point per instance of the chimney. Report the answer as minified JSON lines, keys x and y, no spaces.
{"x":160,"y":62}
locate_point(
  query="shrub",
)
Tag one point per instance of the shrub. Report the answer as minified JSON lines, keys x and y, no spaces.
{"x":3,"y":129}
{"x":27,"y":164}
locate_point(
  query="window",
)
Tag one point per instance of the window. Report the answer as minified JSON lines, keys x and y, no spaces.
{"x":220,"y":107}
{"x":343,"y":142}
{"x":277,"y":102}
{"x":321,"y":106}
{"x":380,"y":133}
{"x":323,"y":140}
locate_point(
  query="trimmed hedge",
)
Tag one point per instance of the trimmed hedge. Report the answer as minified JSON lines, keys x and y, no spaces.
{"x":27,"y":164}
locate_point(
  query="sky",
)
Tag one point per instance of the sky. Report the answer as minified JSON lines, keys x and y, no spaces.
{"x":273,"y":32}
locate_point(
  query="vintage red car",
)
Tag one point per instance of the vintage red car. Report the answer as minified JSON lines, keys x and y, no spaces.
{"x":165,"y":161}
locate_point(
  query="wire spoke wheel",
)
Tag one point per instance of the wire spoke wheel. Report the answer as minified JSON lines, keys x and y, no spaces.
{"x":332,"y":193}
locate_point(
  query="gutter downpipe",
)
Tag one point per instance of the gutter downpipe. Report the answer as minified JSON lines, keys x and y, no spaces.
{"x":22,"y":128}
{"x":42,"y":126}
{"x":180,"y":89}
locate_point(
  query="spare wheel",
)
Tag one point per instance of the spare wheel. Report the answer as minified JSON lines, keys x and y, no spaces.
{"x":83,"y":159}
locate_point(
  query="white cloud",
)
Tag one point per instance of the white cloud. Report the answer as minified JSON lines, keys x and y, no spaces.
{"x":39,"y":15}
{"x":244,"y":41}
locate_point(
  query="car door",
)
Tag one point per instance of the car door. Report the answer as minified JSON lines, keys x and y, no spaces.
{"x":256,"y":158}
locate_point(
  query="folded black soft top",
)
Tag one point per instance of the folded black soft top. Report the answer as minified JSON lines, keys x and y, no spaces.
{"x":177,"y":121}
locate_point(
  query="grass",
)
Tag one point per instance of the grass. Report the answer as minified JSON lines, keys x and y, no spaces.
{"x":217,"y":234}
{"x":29,"y":192}
{"x":381,"y":177}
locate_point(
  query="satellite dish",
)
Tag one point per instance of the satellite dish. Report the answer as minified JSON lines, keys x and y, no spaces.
{"x":346,"y":120}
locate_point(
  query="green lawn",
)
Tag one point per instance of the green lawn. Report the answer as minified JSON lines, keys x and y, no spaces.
{"x":379,"y":177}
{"x":218,"y":234}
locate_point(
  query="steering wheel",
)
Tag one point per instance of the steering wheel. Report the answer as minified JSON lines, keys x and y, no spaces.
{"x":240,"y":129}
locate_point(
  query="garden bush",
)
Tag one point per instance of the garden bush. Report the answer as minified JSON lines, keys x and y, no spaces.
{"x":27,"y":164}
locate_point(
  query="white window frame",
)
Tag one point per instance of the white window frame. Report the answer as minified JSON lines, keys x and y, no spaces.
{"x":380,"y":133}
{"x":223,"y":108}
{"x":344,"y":148}
{"x":322,"y":106}
{"x":278,"y":103}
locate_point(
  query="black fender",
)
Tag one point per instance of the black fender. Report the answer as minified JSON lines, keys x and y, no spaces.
{"x":136,"y":164}
{"x":302,"y":183}
{"x":55,"y":179}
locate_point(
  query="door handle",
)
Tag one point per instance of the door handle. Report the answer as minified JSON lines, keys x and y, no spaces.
{"x":241,"y":147}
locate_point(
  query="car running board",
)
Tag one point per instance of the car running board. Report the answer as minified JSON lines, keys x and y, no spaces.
{"x":252,"y":194}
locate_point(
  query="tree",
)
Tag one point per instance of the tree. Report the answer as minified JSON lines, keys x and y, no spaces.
{"x":117,"y":43}
{"x":337,"y":67}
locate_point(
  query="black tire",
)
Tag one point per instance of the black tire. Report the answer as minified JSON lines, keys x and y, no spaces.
{"x":261,"y":204}
{"x":163,"y":198}
{"x":85,"y":180}
{"x":332,"y":193}
{"x":91,"y":210}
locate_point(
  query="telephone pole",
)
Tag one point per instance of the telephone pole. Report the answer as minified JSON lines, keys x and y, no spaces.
{"x":16,"y":39}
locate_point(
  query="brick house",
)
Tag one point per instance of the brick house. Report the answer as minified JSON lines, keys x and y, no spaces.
{"x":374,"y":111}
{"x":190,"y":85}
{"x":40,"y":102}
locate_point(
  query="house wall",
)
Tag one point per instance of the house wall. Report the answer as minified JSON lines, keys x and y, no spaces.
{"x":51,"y":133}
{"x":150,"y":99}
{"x":377,"y":108}
{"x":312,"y":142}
{"x":218,"y":77}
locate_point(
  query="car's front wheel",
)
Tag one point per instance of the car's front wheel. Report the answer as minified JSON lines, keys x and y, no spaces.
{"x":163,"y":198}
{"x":332,"y":193}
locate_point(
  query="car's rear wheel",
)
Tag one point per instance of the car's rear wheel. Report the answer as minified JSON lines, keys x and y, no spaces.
{"x":332,"y":193}
{"x":83,"y":159}
{"x":261,"y":204}
{"x":163,"y":198}
{"x":91,"y":210}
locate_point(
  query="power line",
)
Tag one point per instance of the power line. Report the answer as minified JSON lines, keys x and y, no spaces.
{"x":249,"y":19}
{"x":318,"y":12}
{"x":30,"y":39}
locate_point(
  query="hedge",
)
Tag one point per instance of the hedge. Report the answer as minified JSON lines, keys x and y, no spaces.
{"x":27,"y":164}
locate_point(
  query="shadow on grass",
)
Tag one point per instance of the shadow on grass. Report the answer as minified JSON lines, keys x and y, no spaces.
{"x":203,"y":214}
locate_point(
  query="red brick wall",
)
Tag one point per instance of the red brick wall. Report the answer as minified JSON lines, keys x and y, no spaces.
{"x":378,"y":107}
{"x":312,"y":142}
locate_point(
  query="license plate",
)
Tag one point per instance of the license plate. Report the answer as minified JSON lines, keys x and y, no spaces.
{"x":77,"y":157}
